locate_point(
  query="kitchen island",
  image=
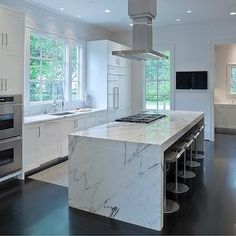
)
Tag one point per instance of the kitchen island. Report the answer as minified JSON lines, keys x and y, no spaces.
{"x":116,"y":169}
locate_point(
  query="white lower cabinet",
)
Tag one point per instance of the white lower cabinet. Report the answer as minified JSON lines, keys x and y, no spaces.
{"x":225,"y":116}
{"x":90,"y":121}
{"x":47,"y":141}
{"x":50,"y":145}
{"x":30,"y":147}
{"x":68,"y":126}
{"x":41,"y":143}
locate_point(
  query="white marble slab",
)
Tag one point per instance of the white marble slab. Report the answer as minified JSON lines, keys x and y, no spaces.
{"x":119,"y":180}
{"x":163,"y":132}
{"x":116,"y":170}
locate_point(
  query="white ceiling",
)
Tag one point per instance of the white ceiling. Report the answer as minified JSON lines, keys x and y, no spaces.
{"x":92,"y":11}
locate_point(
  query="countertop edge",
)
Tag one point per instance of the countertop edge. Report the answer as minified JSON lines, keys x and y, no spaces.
{"x":48,"y":117}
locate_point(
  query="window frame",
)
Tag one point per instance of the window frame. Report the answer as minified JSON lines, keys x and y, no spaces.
{"x":171,"y":48}
{"x":229,"y":79}
{"x":68,"y":44}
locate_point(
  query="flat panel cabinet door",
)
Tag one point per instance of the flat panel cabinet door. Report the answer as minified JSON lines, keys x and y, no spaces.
{"x":13,"y":31}
{"x":114,"y":60}
{"x":30,"y":147}
{"x":13,"y":72}
{"x":2,"y":88}
{"x":101,"y":118}
{"x":230,"y":117}
{"x":123,"y":93}
{"x":50,"y":141}
{"x":1,"y":30}
{"x":79,"y":124}
{"x":90,"y":121}
{"x":220,"y":117}
{"x":68,"y":126}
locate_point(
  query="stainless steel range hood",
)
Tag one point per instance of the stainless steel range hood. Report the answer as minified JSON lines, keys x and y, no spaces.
{"x":142,"y":12}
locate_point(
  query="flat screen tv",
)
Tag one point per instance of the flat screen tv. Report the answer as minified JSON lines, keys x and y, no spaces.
{"x":192,"y":80}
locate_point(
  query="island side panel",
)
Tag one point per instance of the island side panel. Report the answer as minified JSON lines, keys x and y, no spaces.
{"x":115,"y":179}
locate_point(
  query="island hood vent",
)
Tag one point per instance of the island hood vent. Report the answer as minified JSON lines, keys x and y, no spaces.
{"x":143,"y":13}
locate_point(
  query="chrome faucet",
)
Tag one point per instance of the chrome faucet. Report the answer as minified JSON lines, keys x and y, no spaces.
{"x":63,"y":103}
{"x":54,"y":105}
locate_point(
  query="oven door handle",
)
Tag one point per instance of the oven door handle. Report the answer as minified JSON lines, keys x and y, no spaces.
{"x":10,"y":139}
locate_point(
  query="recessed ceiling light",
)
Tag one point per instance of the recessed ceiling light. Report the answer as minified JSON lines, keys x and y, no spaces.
{"x":232,"y":13}
{"x":62,"y":8}
{"x":107,"y":11}
{"x":189,"y":11}
{"x":131,"y":24}
{"x":78,"y":16}
{"x":178,"y":20}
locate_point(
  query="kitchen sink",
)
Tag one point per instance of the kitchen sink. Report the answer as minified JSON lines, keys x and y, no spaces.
{"x":63,"y":113}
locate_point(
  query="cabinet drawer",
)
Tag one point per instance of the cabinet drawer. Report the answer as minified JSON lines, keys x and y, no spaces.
{"x":117,"y":61}
{"x":121,"y":71}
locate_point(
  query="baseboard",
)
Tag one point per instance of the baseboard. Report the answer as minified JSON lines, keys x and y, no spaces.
{"x":46,"y":166}
{"x":225,"y":131}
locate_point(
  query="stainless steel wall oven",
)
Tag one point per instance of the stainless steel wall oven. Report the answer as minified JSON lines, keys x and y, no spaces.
{"x":10,"y":134}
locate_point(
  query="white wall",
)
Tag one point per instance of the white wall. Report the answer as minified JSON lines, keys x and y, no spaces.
{"x":194,"y":50}
{"x":225,"y":55}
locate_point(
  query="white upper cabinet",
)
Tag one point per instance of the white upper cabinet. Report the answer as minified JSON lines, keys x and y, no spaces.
{"x":12,"y":33}
{"x":108,"y":78}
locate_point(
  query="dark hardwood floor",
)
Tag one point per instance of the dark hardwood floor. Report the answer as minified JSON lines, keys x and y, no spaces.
{"x":33,"y":207}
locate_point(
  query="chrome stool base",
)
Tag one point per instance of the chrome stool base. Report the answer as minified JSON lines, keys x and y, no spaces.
{"x":199,"y":157}
{"x":193,"y":164}
{"x":170,"y":206}
{"x":179,"y":188}
{"x":186,"y":174}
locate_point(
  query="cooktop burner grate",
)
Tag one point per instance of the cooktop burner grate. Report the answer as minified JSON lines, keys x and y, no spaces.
{"x":141,"y":118}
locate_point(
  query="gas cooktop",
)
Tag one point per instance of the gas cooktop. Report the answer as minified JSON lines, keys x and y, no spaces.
{"x":141,"y":118}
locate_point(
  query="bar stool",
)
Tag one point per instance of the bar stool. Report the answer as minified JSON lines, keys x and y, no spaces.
{"x":177,"y":187}
{"x":170,"y":206}
{"x":199,"y":156}
{"x":191,"y":163}
{"x":185,"y":174}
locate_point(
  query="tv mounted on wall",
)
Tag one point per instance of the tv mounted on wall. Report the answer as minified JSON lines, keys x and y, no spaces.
{"x":192,"y":80}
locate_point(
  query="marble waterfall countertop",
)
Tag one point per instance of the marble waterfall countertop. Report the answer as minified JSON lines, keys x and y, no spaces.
{"x":163,"y":132}
{"x":116,"y":170}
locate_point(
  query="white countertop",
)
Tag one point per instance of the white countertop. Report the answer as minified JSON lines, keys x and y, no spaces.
{"x":163,"y":132}
{"x":47,"y":117}
{"x":225,"y":104}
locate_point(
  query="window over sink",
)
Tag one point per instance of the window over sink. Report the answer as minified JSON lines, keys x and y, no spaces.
{"x":55,"y":69}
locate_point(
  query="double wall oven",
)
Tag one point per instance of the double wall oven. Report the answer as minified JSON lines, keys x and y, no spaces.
{"x":10,"y":134}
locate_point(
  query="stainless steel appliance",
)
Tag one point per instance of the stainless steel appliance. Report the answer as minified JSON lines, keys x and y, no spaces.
{"x":10,"y":134}
{"x":141,"y":118}
{"x":10,"y":116}
{"x":143,"y":14}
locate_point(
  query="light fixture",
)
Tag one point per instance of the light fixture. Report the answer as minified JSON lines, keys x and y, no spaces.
{"x":131,"y":24}
{"x":232,"y":13}
{"x":107,"y":11}
{"x":178,"y":20}
{"x":78,"y":16}
{"x":62,"y":8}
{"x":189,"y":11}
